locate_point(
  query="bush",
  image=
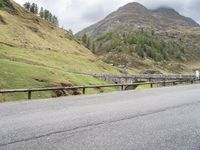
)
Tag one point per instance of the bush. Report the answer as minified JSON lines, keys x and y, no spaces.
{"x":105,"y":36}
{"x":153,"y":54}
{"x":1,"y":4}
{"x":140,"y":51}
{"x":115,"y":45}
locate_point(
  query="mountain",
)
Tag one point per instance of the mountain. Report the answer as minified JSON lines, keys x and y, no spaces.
{"x":138,"y":38}
{"x":170,"y":17}
{"x":35,"y":53}
{"x":134,"y":15}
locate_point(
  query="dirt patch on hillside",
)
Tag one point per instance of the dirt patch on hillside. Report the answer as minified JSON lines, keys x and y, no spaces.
{"x":2,"y":21}
{"x":60,"y":93}
{"x":36,"y":31}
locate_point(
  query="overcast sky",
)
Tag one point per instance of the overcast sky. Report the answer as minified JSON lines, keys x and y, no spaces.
{"x":78,"y":14}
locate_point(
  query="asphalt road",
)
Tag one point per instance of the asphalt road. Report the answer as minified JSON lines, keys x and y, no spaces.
{"x":152,"y":119}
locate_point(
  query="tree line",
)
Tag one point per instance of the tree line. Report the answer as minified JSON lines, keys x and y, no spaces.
{"x":43,"y":13}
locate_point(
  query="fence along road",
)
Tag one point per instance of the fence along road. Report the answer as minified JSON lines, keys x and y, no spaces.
{"x":124,"y":86}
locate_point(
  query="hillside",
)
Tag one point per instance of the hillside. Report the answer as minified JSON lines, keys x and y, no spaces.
{"x":139,"y":38}
{"x":35,"y":53}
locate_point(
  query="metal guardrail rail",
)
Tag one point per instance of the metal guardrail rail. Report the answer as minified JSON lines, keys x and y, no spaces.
{"x":145,"y":76}
{"x":123,"y":87}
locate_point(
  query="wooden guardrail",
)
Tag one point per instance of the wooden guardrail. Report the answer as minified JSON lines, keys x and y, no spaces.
{"x":123,"y":87}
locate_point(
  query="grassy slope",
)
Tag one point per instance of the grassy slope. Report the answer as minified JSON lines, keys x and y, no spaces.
{"x":34,"y":53}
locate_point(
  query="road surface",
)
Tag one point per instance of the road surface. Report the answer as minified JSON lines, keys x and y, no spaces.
{"x":151,"y":119}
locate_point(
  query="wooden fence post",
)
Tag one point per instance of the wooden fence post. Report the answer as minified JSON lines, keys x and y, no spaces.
{"x":164,"y":83}
{"x":29,"y":95}
{"x":83,"y":90}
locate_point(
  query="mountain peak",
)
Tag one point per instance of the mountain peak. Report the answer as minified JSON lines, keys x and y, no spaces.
{"x":133,"y":5}
{"x":167,"y":11}
{"x":170,"y":13}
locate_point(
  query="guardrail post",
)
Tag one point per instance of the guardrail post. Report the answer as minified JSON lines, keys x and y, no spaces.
{"x":29,"y":95}
{"x":83,"y":90}
{"x":164,"y":83}
{"x":151,"y":85}
{"x":122,"y":87}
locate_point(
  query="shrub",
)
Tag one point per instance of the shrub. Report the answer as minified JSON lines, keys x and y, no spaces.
{"x":105,"y":36}
{"x":115,"y":45}
{"x":1,"y":4}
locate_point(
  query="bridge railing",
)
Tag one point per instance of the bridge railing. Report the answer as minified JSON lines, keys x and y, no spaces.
{"x":145,"y":76}
{"x":123,"y":87}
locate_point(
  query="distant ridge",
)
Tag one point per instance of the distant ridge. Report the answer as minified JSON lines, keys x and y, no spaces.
{"x":134,"y":15}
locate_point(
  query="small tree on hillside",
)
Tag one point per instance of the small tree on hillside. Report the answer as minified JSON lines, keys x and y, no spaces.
{"x":36,"y":9}
{"x":46,"y":14}
{"x":88,"y":44}
{"x":84,"y":38}
{"x":50,"y":17}
{"x":32,"y":8}
{"x":71,"y":32}
{"x":41,"y":12}
{"x":27,"y":6}
{"x":93,"y":47}
{"x":55,"y":20}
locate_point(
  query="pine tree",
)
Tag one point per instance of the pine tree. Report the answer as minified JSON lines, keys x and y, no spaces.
{"x":46,"y":14}
{"x":55,"y":20}
{"x":41,"y":12}
{"x":84,"y":38}
{"x":88,"y":43}
{"x":27,"y":6}
{"x":93,"y":47}
{"x":50,"y":17}
{"x":36,"y":9}
{"x":71,"y":32}
{"x":32,"y":8}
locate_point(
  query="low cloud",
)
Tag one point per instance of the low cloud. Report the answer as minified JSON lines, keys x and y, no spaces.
{"x":78,"y":14}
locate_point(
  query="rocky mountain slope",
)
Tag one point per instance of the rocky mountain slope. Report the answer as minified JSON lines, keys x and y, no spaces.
{"x":139,"y":38}
{"x":35,"y":53}
{"x":134,"y":15}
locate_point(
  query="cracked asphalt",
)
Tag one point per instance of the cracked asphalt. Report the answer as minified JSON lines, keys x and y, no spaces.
{"x":152,"y":119}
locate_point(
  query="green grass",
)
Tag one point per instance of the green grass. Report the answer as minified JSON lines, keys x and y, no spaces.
{"x":28,"y":68}
{"x":34,"y":53}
